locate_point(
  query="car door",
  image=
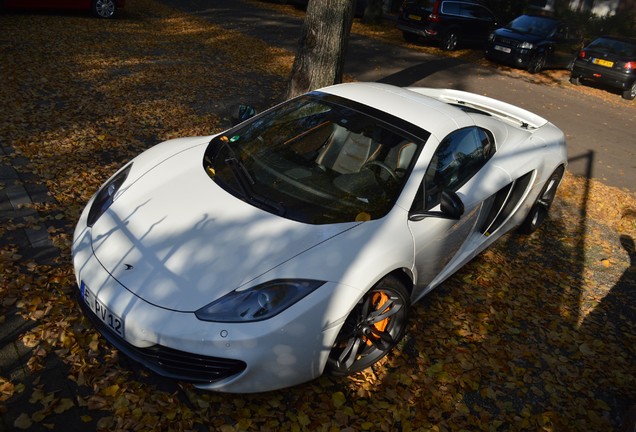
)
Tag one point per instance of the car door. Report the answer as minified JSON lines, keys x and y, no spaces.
{"x":479,"y":22}
{"x":438,"y":240}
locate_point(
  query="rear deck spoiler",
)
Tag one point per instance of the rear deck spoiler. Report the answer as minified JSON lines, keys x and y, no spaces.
{"x":494,"y":107}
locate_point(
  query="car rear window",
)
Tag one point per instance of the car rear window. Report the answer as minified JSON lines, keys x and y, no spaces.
{"x":451,"y":8}
{"x":615,"y":46}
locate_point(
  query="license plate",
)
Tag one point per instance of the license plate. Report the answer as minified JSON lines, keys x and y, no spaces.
{"x":415,"y":17}
{"x":114,"y":322}
{"x":602,"y":62}
{"x":502,"y":49}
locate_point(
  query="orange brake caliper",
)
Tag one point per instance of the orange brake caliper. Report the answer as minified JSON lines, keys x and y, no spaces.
{"x":379,"y":299}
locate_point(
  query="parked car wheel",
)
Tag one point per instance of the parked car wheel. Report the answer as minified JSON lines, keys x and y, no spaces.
{"x":449,"y":43}
{"x":540,"y":209}
{"x":630,"y":93}
{"x":575,"y":80}
{"x":537,"y":63}
{"x":375,"y":325}
{"x":104,"y":8}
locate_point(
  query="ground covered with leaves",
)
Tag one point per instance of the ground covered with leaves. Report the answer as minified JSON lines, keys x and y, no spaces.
{"x":537,"y":333}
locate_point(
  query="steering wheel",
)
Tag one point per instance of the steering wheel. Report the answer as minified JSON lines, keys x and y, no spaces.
{"x":384,"y":166}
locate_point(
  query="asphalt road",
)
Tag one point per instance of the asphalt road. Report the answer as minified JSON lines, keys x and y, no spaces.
{"x":599,"y":130}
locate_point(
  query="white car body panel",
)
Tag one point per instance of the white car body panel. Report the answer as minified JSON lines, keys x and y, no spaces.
{"x":173,"y":241}
{"x":167,"y":232}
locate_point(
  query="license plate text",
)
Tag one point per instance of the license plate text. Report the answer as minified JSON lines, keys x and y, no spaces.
{"x":114,"y":322}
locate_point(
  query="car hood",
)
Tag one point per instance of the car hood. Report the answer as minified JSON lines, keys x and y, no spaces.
{"x":517,"y":35}
{"x":176,"y":239}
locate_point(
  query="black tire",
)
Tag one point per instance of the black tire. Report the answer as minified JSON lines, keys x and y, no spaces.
{"x":372,"y":329}
{"x":104,"y":8}
{"x":410,"y":37}
{"x":537,"y":63}
{"x":539,"y":210}
{"x":575,"y":80}
{"x":630,"y":93}
{"x":449,"y":43}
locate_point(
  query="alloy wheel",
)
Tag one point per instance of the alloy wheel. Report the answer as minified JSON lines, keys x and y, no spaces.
{"x":375,"y":325}
{"x":104,"y":8}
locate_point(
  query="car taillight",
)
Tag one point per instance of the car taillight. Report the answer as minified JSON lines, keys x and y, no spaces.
{"x":434,"y":16}
{"x":630,"y":65}
{"x":581,"y":54}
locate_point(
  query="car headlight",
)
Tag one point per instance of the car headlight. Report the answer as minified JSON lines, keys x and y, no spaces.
{"x":526,"y":45}
{"x":104,"y":197}
{"x":258,"y":303}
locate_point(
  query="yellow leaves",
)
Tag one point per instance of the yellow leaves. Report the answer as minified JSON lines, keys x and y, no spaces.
{"x":338,"y":399}
{"x":435,"y":369}
{"x":64,"y":405}
{"x":93,"y":345}
{"x":585,"y":350}
{"x":110,"y":391}
{"x":23,"y":422}
{"x":105,"y":423}
{"x":303,"y":419}
{"x":7,"y":388}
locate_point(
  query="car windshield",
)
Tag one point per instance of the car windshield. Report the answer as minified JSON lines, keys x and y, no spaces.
{"x":615,"y":46}
{"x":537,"y":26}
{"x":317,"y":159}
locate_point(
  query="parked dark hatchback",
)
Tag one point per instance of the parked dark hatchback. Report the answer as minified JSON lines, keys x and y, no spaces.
{"x":534,"y":43}
{"x":446,"y":22}
{"x":608,"y":61}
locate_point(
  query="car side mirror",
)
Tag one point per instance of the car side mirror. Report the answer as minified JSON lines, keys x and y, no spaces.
{"x":242,"y":113}
{"x":451,"y":207}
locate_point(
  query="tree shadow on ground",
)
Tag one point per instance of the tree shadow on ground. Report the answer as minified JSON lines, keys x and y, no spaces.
{"x":410,"y":76}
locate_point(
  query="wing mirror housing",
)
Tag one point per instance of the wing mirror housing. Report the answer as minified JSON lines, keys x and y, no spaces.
{"x":451,"y":207}
{"x":241,"y":113}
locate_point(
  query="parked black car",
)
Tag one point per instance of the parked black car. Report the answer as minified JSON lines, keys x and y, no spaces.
{"x":534,"y":43}
{"x":609,"y":61}
{"x":446,"y":22}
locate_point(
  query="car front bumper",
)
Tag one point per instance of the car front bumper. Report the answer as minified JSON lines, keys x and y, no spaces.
{"x":287,"y":349}
{"x":508,"y":55}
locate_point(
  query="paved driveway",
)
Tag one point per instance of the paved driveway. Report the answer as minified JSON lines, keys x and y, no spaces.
{"x":599,"y":130}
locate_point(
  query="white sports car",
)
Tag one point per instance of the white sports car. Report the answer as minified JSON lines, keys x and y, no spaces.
{"x":296,"y":241}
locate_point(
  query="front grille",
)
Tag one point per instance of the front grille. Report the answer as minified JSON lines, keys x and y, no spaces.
{"x":507,"y":41}
{"x":169,"y":362}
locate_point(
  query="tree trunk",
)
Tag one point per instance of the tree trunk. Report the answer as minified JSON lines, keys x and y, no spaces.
{"x":320,"y":57}
{"x":626,"y":6}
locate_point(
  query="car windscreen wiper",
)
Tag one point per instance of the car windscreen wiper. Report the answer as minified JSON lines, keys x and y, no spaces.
{"x":245,"y":180}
